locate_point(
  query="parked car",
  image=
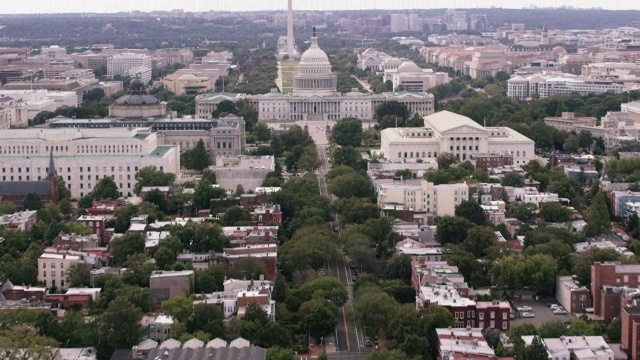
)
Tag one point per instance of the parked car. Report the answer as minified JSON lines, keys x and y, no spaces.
{"x":354,"y":278}
{"x":524,"y":308}
{"x":559,"y":312}
{"x":527,"y":314}
{"x":367,"y":341}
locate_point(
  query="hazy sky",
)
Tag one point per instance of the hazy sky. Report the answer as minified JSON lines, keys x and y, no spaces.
{"x":102,"y":6}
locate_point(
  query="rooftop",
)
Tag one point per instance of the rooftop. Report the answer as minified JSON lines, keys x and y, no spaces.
{"x":164,"y":274}
{"x":444,"y":295}
{"x":443,"y":121}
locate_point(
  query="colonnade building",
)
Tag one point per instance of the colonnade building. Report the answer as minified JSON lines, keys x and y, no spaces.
{"x":447,"y":132}
{"x":315,"y":96}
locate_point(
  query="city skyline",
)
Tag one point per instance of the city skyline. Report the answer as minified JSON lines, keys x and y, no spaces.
{"x":75,"y":6}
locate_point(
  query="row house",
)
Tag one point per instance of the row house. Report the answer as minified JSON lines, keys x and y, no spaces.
{"x":467,"y":312}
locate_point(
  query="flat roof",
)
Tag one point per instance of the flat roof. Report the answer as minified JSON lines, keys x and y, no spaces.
{"x":160,"y":273}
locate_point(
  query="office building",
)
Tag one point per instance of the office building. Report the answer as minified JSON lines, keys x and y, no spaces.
{"x":84,"y":156}
{"x":550,"y":84}
{"x":130,"y":64}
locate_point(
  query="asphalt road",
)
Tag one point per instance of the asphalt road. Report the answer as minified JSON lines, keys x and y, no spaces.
{"x":348,"y":338}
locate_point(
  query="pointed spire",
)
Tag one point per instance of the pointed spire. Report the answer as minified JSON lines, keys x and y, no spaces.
{"x":52,"y":166}
{"x":314,"y":31}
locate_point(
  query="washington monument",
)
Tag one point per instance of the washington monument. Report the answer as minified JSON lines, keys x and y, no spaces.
{"x":290,"y":40}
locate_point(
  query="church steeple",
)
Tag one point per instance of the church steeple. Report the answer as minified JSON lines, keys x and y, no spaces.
{"x":52,"y":166}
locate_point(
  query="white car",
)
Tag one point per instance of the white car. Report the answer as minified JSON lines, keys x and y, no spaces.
{"x":555,"y":306}
{"x":559,"y":312}
{"x":524,"y":308}
{"x":527,"y":315}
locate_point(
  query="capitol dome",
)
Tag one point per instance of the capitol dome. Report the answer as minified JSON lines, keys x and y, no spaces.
{"x":408,"y":67}
{"x":314,"y":75}
{"x":314,"y":55}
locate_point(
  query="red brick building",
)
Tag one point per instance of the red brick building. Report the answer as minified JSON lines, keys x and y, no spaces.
{"x":165,"y":190}
{"x":266,"y":215}
{"x":81,"y":298}
{"x":607,"y":280}
{"x":487,"y":161}
{"x":170,"y":284}
{"x":103,"y":207}
{"x":267,"y":253}
{"x":467,"y":312}
{"x":572,"y":296}
{"x":630,"y":318}
{"x":16,"y":292}
{"x":97,"y":226}
{"x":16,"y":190}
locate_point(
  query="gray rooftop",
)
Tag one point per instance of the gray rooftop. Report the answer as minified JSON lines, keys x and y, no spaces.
{"x":22,"y":188}
{"x":225,"y":353}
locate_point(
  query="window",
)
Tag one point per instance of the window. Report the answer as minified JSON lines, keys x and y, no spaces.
{"x":492,"y":315}
{"x":481,"y":316}
{"x":504,"y":316}
{"x":44,"y":273}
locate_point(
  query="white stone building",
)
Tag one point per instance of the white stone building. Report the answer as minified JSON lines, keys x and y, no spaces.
{"x":248,"y":171}
{"x":439,"y":200}
{"x":26,"y":104}
{"x":549,"y":84}
{"x":447,"y":132}
{"x":84,"y":156}
{"x":414,"y":79}
{"x":315,"y":97}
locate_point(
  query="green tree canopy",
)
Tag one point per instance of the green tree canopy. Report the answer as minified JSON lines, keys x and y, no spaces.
{"x":347,"y":132}
{"x":32,"y":202}
{"x":319,"y":317}
{"x":452,"y":229}
{"x":128,"y":244}
{"x":471,"y":210}
{"x":151,"y":176}
{"x":598,"y":216}
{"x":554,"y":212}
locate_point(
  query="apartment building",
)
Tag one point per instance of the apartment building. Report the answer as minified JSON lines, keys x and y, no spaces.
{"x":575,"y":298}
{"x":54,"y":267}
{"x":439,"y":200}
{"x":609,"y":282}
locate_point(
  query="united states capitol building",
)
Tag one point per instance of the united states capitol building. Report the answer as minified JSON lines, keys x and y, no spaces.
{"x":315,"y":96}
